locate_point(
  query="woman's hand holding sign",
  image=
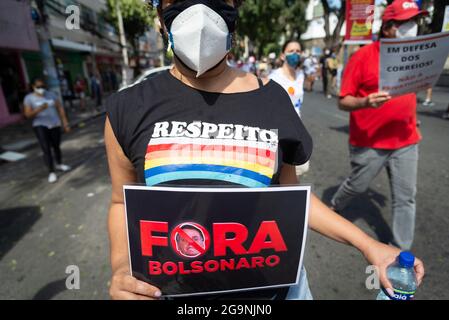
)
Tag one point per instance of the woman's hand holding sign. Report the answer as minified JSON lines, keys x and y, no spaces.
{"x":126,"y":287}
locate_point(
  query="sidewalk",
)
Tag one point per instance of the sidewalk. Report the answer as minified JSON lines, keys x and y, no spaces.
{"x":20,"y":136}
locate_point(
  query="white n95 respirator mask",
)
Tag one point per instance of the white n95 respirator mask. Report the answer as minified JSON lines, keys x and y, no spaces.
{"x":200,"y":32}
{"x":407,"y":30}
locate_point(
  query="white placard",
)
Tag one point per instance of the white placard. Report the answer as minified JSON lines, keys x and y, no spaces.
{"x":412,"y":64}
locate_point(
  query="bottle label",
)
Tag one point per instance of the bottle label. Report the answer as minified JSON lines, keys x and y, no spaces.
{"x":400,"y":294}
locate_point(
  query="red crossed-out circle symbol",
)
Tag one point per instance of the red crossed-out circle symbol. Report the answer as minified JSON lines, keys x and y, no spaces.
{"x":190,"y":240}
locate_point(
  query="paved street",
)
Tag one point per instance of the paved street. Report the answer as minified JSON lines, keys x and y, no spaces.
{"x":45,"y":228}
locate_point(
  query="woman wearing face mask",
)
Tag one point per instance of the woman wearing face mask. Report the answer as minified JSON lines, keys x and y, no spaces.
{"x":383,"y":130}
{"x":203,"y":97}
{"x":47,"y":113}
{"x":289,"y":76}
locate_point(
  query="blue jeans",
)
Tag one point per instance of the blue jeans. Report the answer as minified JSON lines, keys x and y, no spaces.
{"x":301,"y":290}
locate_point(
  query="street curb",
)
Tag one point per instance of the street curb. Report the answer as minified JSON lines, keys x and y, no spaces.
{"x":94,"y":116}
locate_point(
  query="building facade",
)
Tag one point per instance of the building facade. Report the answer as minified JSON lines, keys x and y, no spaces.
{"x":91,"y":48}
{"x":17,"y":38}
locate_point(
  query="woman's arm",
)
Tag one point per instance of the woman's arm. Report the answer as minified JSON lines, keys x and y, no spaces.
{"x":123,"y":285}
{"x":326,"y":222}
{"x":30,"y":113}
{"x":323,"y":220}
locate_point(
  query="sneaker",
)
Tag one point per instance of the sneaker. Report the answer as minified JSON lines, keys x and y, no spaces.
{"x":446,"y":115}
{"x":52,"y":177}
{"x":63,"y":167}
{"x":329,"y":96}
{"x":428,"y":103}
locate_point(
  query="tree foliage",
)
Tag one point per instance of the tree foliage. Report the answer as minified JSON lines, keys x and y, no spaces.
{"x":137,"y":17}
{"x":332,"y":39}
{"x":267,"y":23}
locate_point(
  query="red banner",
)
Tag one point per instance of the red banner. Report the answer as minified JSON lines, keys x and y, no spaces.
{"x":359,"y":21}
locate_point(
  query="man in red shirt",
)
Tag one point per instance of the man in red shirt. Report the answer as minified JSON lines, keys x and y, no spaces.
{"x":382,"y":131}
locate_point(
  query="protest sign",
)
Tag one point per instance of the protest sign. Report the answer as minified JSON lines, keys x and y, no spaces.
{"x":359,"y":21}
{"x":193,"y":241}
{"x":412,"y":64}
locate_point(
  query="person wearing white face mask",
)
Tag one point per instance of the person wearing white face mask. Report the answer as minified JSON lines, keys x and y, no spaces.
{"x":193,"y":104}
{"x":47,"y":113}
{"x":383,"y":130}
{"x":407,"y":29}
{"x":208,"y":37}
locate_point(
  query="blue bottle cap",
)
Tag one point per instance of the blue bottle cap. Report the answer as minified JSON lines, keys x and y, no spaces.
{"x":406,"y":259}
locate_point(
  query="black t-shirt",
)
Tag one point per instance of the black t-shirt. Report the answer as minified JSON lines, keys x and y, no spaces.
{"x":177,"y":135}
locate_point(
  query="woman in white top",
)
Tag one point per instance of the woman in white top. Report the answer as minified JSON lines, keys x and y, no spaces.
{"x":289,"y":76}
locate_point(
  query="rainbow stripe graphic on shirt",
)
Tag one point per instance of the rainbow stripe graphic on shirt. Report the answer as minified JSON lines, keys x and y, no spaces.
{"x":243,"y":162}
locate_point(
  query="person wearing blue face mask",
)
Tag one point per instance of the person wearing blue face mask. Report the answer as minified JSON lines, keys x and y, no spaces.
{"x":289,"y":76}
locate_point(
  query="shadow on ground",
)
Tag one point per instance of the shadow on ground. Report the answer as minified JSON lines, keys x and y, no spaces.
{"x":93,"y":163}
{"x":367,"y":207}
{"x":432,"y":113}
{"x":14,"y":224}
{"x":342,"y":129}
{"x":50,"y":290}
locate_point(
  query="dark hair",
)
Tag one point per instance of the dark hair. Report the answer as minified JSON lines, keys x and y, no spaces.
{"x":386,"y":25}
{"x":238,"y":3}
{"x":284,"y":47}
{"x":36,"y":79}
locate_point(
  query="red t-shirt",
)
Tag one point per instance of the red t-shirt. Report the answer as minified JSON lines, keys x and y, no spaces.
{"x":391,"y":126}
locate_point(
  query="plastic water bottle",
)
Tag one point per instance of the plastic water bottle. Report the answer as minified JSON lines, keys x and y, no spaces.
{"x":403,"y":278}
